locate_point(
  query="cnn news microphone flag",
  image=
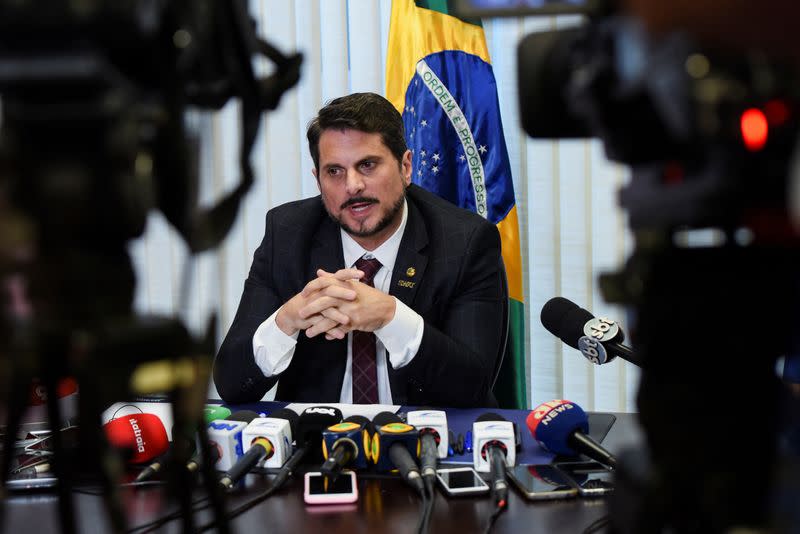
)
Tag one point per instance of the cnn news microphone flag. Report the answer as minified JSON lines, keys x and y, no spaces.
{"x":439,"y":76}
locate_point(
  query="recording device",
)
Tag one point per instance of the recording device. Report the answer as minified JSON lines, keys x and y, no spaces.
{"x":346,"y":444}
{"x":103,"y":90}
{"x":711,"y":138}
{"x":461,"y":481}
{"x":598,"y":339}
{"x":541,"y":482}
{"x":494,"y":448}
{"x":432,"y":426}
{"x":592,"y":479}
{"x":562,"y":427}
{"x":321,"y":489}
{"x":143,"y":434}
{"x":395,"y":445}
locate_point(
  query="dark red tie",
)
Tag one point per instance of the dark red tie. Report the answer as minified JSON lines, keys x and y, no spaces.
{"x":365,"y":375}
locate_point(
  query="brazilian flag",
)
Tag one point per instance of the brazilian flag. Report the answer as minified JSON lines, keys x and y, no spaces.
{"x":439,"y":76}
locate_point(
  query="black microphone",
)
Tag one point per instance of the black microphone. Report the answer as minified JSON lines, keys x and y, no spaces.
{"x":432,"y":426}
{"x":346,"y":443}
{"x":310,"y":425}
{"x":597,"y":338}
{"x":494,"y":443}
{"x":394,"y":445}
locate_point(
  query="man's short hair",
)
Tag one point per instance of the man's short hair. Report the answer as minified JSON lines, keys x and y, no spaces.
{"x":365,"y":112}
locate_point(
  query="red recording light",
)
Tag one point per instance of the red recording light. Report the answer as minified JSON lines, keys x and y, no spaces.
{"x":754,"y":129}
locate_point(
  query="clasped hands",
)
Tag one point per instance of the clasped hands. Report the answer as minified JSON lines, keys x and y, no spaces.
{"x":335,"y":304}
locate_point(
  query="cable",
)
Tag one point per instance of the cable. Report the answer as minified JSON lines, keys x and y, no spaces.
{"x":431,"y":498}
{"x":502,"y":505}
{"x":596,"y":525}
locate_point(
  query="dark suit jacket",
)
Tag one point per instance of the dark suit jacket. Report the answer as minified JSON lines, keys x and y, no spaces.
{"x":456,"y":287}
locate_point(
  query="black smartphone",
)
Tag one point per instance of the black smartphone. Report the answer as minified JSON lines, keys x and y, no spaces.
{"x":592,"y":479}
{"x":541,"y":482}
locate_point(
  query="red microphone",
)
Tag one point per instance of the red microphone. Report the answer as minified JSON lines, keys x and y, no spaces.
{"x":142,"y":433}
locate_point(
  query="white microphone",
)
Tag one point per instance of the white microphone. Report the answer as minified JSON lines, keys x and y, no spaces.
{"x":487,"y":434}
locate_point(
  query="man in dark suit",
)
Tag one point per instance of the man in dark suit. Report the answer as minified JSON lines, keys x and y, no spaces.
{"x":374,"y":291}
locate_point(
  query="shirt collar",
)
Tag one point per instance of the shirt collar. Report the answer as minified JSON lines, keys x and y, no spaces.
{"x":386,"y":253}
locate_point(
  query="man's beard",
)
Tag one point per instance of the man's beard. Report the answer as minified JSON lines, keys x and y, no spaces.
{"x":382,"y":224}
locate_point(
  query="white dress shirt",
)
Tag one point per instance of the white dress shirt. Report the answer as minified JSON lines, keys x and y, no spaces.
{"x":399,"y":338}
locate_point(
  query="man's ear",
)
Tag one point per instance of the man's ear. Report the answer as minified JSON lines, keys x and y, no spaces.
{"x":314,"y":172}
{"x":405,"y":168}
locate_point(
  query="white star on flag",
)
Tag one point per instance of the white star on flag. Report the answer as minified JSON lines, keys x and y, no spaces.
{"x":424,"y":122}
{"x":482,"y":149}
{"x":435,"y":157}
{"x":435,"y":169}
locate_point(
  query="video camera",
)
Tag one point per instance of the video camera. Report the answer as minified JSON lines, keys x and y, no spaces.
{"x":710,"y":135}
{"x":95,"y":98}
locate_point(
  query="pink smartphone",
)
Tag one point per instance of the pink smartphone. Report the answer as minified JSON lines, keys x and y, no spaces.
{"x":318,"y":490}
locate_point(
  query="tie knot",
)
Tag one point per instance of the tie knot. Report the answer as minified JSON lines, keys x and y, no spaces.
{"x":369,"y":267}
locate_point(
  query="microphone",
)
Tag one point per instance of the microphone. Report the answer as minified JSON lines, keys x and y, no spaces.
{"x":142,"y":433}
{"x":432,"y":426}
{"x":562,"y":427}
{"x":310,"y":425}
{"x":225,"y":435}
{"x":395,"y":445}
{"x":214,"y":413}
{"x":266,"y":439}
{"x":346,"y":444}
{"x":597,"y":338}
{"x":494,"y":448}
{"x":211,"y":413}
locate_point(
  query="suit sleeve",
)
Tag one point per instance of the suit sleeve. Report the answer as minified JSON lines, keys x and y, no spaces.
{"x":456,"y":359}
{"x":237,"y":377}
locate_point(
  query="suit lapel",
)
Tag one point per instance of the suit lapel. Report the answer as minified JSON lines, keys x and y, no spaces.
{"x":326,"y":251}
{"x":409,"y":267}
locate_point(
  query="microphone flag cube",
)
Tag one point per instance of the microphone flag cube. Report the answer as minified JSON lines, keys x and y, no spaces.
{"x":435,"y":420}
{"x":488,"y":433}
{"x":279,"y":434}
{"x":226,"y":436}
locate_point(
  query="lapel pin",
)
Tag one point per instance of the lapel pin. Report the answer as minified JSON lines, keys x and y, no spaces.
{"x":411,"y":271}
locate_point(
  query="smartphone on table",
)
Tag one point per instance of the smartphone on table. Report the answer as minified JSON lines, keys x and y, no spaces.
{"x":541,"y":482}
{"x":461,"y":481}
{"x":320,"y":489}
{"x":592,"y":479}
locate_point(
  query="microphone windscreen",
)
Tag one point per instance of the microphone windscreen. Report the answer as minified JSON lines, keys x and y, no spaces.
{"x":385,"y":418}
{"x":212,"y":413}
{"x":313,"y":421}
{"x":360,"y":420}
{"x":142,"y":433}
{"x":242,"y":415}
{"x":552,"y":423}
{"x":489,"y":416}
{"x":565,"y":320}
